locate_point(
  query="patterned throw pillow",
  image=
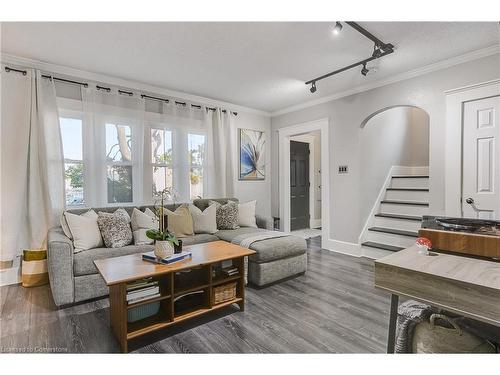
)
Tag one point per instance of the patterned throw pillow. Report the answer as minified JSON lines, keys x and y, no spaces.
{"x":226,"y":215}
{"x":115,"y":228}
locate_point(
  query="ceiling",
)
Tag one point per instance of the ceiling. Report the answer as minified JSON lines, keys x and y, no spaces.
{"x":258,"y":65}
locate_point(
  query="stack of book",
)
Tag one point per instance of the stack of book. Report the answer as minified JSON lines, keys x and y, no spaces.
{"x":151,"y":257}
{"x":142,"y":290}
{"x":230,"y":271}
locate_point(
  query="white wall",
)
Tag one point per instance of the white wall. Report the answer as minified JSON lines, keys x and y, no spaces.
{"x":397,"y":136}
{"x":346,"y":115}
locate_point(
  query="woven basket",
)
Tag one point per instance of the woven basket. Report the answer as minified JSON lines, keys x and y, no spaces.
{"x":34,"y":268}
{"x":224,"y":293}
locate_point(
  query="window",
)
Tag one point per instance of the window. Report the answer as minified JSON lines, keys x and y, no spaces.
{"x":196,"y":154}
{"x":119,"y":163}
{"x":71,"y":135}
{"x":161,"y":159}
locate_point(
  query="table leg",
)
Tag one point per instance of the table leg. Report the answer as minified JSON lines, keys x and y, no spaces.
{"x":392,"y":323}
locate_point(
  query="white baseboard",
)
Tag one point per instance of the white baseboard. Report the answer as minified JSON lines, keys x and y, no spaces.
{"x":347,"y":248}
{"x":10,"y":276}
{"x":314,"y":223}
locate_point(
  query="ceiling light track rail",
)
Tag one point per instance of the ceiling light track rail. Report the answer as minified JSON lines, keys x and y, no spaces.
{"x":380,"y":49}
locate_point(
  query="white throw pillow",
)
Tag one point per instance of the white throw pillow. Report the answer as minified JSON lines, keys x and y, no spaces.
{"x":65,"y":227}
{"x":141,"y":222}
{"x":246,"y":214}
{"x":204,"y":221}
{"x":84,"y":230}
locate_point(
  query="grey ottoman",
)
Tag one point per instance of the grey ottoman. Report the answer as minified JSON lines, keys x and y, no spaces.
{"x":275,"y":259}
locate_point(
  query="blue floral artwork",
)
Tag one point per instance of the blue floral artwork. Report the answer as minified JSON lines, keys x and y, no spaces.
{"x":252,"y":155}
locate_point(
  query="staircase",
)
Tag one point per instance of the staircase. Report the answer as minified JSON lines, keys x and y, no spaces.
{"x":397,"y":215}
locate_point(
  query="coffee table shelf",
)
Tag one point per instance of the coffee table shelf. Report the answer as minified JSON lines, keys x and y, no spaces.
{"x":120,"y":271}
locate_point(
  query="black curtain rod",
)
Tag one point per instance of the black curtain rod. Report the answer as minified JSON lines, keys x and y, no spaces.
{"x":7,"y":69}
{"x":84,"y":84}
{"x":108,"y":89}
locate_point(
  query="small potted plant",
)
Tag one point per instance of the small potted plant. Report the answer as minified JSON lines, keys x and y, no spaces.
{"x":166,"y":243}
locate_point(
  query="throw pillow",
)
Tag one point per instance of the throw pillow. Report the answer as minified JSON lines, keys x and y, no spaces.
{"x":180,"y":222}
{"x":226,"y":215}
{"x":115,"y":228}
{"x":246,"y":214}
{"x":141,"y":222}
{"x":65,"y":227}
{"x":204,"y":221}
{"x":84,"y":230}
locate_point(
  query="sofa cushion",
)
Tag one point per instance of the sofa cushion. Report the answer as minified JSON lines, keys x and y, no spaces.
{"x":226,"y":215}
{"x":198,"y":238}
{"x":115,"y":228}
{"x":180,"y":222}
{"x":270,"y":249}
{"x":83,"y":262}
{"x":202,"y":204}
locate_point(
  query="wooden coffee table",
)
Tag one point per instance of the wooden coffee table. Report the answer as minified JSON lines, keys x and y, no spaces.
{"x":118,"y":272}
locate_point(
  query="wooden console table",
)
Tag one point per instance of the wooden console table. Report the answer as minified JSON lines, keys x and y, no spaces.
{"x":118,"y":272}
{"x":465,"y":286}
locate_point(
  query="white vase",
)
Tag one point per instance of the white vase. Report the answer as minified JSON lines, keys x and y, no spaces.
{"x":163,"y":249}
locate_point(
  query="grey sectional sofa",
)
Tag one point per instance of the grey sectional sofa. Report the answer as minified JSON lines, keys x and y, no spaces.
{"x":74,"y":277}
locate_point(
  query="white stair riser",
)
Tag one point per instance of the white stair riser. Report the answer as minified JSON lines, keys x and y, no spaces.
{"x":374,"y":253}
{"x":385,"y":222}
{"x":403,"y":209}
{"x":419,"y":196}
{"x":389,"y":239}
{"x":413,"y":182}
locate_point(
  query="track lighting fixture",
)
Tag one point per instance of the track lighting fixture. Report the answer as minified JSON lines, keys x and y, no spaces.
{"x":380,"y":49}
{"x":313,"y":87}
{"x":364,"y":71}
{"x":337,"y":28}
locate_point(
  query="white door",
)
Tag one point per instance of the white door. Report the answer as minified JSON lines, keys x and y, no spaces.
{"x":481,"y":159}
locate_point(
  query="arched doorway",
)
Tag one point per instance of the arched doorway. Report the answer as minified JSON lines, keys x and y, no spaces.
{"x":394,"y":169}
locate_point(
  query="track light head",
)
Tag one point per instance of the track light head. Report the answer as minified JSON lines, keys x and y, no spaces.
{"x":313,"y":87}
{"x":337,"y":28}
{"x":365,"y":70}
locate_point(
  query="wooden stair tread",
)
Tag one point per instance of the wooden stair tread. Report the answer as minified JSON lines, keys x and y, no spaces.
{"x":394,"y":231}
{"x":410,"y":176}
{"x":402,"y":217}
{"x":408,"y":189}
{"x":410,"y":203}
{"x":382,"y":246}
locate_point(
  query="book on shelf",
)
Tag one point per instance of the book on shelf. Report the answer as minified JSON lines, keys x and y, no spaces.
{"x":143,"y":292}
{"x":145,"y":298}
{"x":230,"y":271}
{"x":141,"y":285}
{"x":150,"y":257}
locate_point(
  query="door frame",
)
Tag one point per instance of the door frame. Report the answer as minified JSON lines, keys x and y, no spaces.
{"x":307,"y":138}
{"x":284,"y":135}
{"x":455,"y":100}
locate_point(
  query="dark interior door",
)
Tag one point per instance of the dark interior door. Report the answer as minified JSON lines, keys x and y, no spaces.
{"x":299,"y":185}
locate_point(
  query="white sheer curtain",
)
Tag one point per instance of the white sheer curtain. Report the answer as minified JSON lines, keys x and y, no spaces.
{"x":100,"y":109}
{"x":32,"y":162}
{"x":222,"y":148}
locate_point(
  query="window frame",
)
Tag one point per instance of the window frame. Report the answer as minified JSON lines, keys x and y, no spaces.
{"x":148,"y":157}
{"x":101,"y":122}
{"x":76,"y":115}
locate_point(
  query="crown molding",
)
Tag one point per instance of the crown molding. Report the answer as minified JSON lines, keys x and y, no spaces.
{"x":78,"y":74}
{"x":457,"y":60}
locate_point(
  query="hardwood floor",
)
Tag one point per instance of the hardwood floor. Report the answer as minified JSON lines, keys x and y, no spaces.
{"x":333,"y":308}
